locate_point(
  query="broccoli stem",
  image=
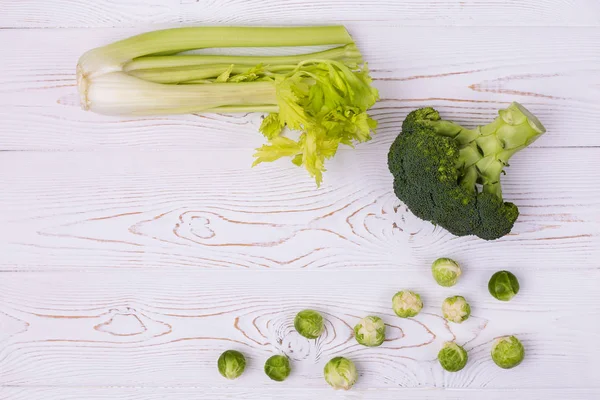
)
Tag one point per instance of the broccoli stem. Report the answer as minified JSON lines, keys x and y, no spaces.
{"x":469,"y":178}
{"x":485,"y":150}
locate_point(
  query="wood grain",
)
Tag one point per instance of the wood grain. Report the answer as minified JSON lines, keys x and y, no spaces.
{"x":105,"y":13}
{"x":467,"y":73}
{"x":134,"y":251}
{"x":147,"y":209}
{"x":151,"y":329}
{"x":199,"y":393}
{"x":75,"y":13}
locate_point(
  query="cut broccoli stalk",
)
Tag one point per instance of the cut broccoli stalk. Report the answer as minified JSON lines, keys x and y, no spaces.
{"x":438,"y":165}
{"x":485,"y":150}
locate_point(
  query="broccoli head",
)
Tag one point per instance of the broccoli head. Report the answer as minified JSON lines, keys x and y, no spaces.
{"x":450,"y":175}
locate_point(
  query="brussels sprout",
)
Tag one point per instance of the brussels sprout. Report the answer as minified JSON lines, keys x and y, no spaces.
{"x":446,"y":272}
{"x":309,"y":324}
{"x":231,"y":364}
{"x":452,"y":357}
{"x":340,"y":373}
{"x":370,"y":331}
{"x":507,"y":352}
{"x":503,"y":285}
{"x":456,"y":309}
{"x":278,"y":368}
{"x":406,"y":304}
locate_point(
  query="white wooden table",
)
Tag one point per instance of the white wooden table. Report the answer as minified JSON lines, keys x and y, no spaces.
{"x":134,"y":251}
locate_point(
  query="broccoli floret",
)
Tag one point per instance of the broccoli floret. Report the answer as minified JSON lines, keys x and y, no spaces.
{"x":450,"y":175}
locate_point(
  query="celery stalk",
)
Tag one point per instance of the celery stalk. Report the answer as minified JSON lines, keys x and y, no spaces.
{"x":195,"y":73}
{"x":113,"y":57}
{"x":117,"y":93}
{"x":348,"y":54}
{"x":325,"y":95}
{"x":176,"y":40}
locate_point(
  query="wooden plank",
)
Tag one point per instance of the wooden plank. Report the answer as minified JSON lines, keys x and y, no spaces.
{"x":120,"y":237}
{"x":69,"y":13}
{"x":413,"y":67}
{"x":73,"y":13}
{"x":200,"y":393}
{"x":167,"y":328}
{"x":205,"y":209}
{"x":405,"y":13}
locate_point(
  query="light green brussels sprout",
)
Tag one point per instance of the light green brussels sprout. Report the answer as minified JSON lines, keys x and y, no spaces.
{"x":278,"y":368}
{"x":456,"y":309}
{"x":507,"y":352}
{"x":407,"y":304}
{"x":503,"y":285}
{"x":231,"y":364}
{"x":370,"y":331}
{"x":340,"y":373}
{"x":452,"y":357}
{"x":309,"y":324}
{"x":446,"y":272}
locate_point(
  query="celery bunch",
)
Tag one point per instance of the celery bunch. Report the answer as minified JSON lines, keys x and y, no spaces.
{"x":323,"y":95}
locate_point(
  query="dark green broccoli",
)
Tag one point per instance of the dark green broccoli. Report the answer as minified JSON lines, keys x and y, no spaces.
{"x":450,"y":175}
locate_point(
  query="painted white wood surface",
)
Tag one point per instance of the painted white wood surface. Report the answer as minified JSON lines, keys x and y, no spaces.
{"x":133,"y":251}
{"x":208,"y":209}
{"x":467,"y":73}
{"x":105,"y":13}
{"x":176,"y":393}
{"x":167,"y":329}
